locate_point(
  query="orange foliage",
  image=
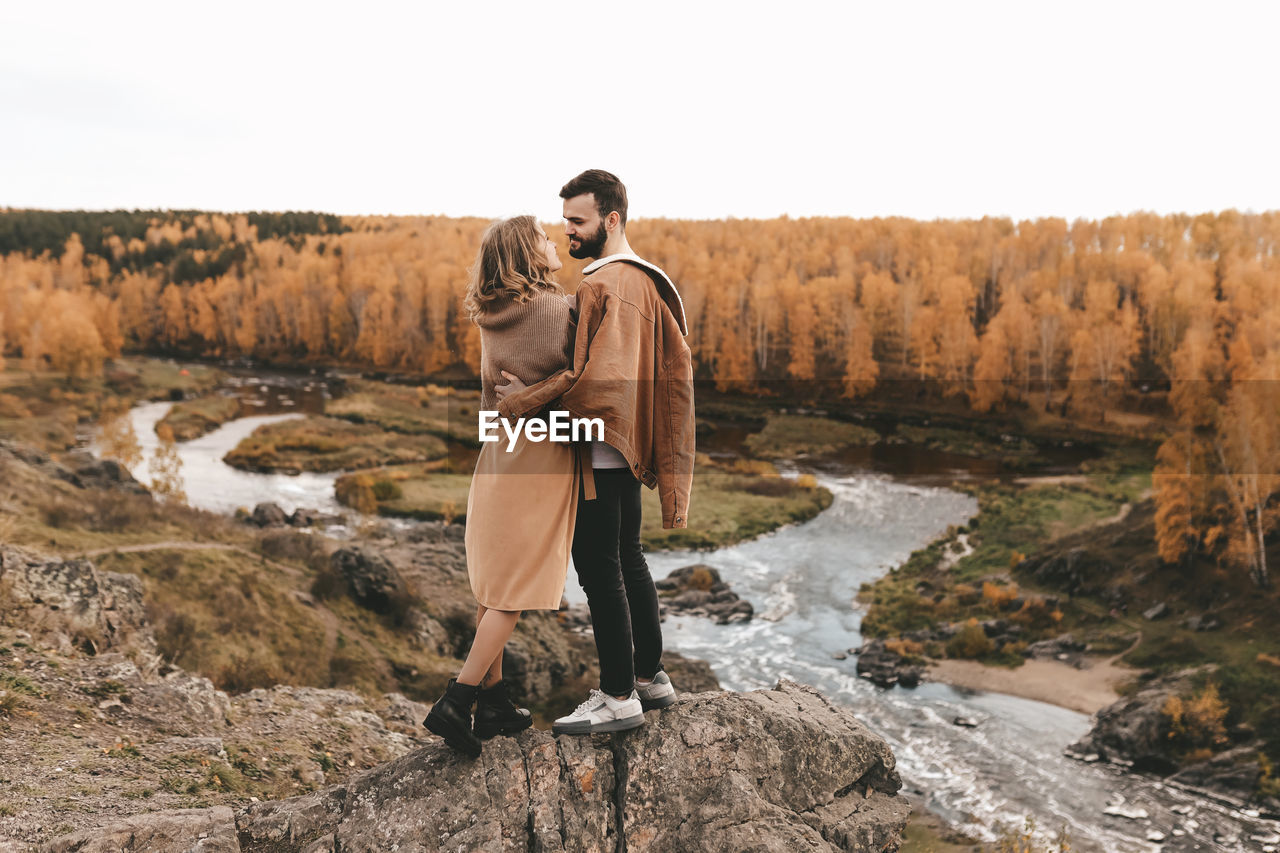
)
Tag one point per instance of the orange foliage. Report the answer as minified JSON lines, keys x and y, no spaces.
{"x":994,"y":310}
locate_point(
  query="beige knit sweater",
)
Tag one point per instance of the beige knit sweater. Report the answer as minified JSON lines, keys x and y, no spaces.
{"x":532,"y":340}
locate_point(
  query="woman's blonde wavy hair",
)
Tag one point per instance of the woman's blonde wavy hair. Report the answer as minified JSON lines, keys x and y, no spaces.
{"x":511,"y":264}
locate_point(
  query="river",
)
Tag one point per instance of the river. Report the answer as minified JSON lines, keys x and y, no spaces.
{"x":802,"y":581}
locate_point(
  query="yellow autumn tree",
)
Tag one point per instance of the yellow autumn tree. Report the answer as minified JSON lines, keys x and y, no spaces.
{"x":165,"y":468}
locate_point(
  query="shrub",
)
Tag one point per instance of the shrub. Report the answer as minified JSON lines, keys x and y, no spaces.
{"x":244,"y":673}
{"x":1036,"y":615}
{"x":386,"y":490}
{"x":309,"y":444}
{"x":176,"y":635}
{"x":807,"y":481}
{"x":965,"y":594}
{"x":1196,"y":722}
{"x":700,"y":578}
{"x":357,"y":492}
{"x":328,"y":583}
{"x":291,"y":545}
{"x":969,"y":642}
{"x":998,"y":596}
{"x":11,"y":703}
{"x":904,"y":647}
{"x":774,"y":487}
{"x":759,"y":467}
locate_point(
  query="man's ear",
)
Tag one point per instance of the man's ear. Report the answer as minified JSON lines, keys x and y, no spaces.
{"x":612,"y":221}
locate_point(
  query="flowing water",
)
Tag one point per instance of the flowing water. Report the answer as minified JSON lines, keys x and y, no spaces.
{"x":802,"y":581}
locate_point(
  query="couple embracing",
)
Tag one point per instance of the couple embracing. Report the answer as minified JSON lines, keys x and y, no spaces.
{"x":614,"y":352}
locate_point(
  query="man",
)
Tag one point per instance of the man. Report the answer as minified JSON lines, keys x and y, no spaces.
{"x":632,"y":369}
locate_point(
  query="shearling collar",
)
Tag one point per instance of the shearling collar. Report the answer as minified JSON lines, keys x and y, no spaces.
{"x":660,"y":279}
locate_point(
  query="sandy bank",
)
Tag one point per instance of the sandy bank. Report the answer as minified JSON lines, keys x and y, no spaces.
{"x":1084,"y":690}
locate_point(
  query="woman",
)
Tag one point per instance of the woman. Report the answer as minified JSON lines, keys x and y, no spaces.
{"x":521,"y":507}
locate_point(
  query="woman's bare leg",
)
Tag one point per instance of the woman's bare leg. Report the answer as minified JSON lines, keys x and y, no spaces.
{"x":493,"y":628}
{"x":494,"y":675}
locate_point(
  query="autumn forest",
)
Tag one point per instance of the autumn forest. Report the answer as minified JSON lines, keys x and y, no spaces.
{"x":1079,"y":317}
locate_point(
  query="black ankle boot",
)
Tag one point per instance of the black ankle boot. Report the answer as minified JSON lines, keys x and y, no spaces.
{"x":450,"y":717}
{"x":495,"y":715}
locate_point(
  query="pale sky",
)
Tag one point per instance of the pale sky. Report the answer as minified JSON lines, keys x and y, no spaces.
{"x":705,"y":110}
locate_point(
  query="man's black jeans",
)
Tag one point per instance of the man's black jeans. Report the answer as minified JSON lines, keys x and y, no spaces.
{"x":620,"y":592}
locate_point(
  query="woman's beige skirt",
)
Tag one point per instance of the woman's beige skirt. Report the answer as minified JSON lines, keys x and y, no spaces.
{"x":520,"y":516}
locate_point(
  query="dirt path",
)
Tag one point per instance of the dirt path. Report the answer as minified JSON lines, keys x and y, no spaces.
{"x":192,"y":546}
{"x":1053,"y":480}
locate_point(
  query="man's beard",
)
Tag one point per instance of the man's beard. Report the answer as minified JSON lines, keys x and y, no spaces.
{"x":590,"y":247}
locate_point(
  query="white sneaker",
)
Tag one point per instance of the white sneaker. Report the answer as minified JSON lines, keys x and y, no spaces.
{"x":601,"y":713}
{"x":657,"y":693}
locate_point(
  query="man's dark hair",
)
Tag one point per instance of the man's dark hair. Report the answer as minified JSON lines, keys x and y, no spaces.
{"x":608,"y":191}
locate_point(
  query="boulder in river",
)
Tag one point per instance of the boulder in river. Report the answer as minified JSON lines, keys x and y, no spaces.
{"x":698,"y":590}
{"x":303,"y":517}
{"x":885,"y":667}
{"x":268,"y":515}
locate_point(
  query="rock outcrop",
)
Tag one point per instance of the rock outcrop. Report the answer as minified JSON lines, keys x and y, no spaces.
{"x":71,"y":603}
{"x":374,"y":582}
{"x":769,"y":770}
{"x":79,"y":468}
{"x":1132,"y":731}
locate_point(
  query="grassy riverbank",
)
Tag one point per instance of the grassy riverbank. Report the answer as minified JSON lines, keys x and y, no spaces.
{"x":1076,"y":555}
{"x":44,"y":409}
{"x":788,"y":436}
{"x":968,"y":573}
{"x":319,"y":443}
{"x":728,"y":505}
{"x":194,"y":418}
{"x":447,"y":412}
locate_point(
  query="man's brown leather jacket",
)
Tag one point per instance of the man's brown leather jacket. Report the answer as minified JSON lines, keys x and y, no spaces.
{"x":632,"y":369}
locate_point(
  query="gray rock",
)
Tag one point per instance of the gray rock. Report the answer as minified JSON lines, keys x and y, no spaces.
{"x":768,"y":770}
{"x":403,"y":711}
{"x":268,"y":515}
{"x":74,"y":603}
{"x":1202,"y":622}
{"x":303,"y":517}
{"x":690,"y":599}
{"x":1158,"y":611}
{"x":1235,"y":772}
{"x":211,"y":830}
{"x":374,"y":582}
{"x":1076,"y":572}
{"x":689,"y":675}
{"x":1064,"y":647}
{"x":1133,"y":731}
{"x":88,"y":472}
{"x":885,"y":668}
